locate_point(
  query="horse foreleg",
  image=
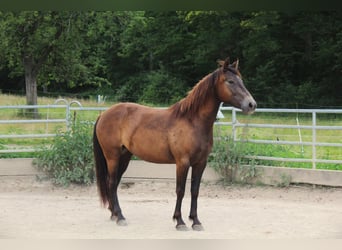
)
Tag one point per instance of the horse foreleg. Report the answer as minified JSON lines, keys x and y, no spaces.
{"x":196,"y":177}
{"x":181,"y":172}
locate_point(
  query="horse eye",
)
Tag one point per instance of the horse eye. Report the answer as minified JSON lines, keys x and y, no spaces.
{"x":231,"y":82}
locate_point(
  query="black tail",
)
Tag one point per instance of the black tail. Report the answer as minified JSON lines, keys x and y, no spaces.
{"x":101,"y":169}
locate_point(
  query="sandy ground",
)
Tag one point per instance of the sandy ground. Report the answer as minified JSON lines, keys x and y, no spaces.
{"x":37,"y":209}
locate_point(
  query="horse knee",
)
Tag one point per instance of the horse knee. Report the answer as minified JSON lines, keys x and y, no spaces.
{"x":180,"y":192}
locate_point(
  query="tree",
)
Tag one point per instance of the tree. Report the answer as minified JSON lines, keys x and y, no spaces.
{"x":59,"y":47}
{"x":285,"y":58}
{"x":320,"y":39}
{"x":28,"y":39}
{"x":153,"y":46}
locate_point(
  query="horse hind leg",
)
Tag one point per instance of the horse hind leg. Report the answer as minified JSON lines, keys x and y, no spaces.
{"x":119,"y":166}
{"x":114,"y":207}
{"x":125,"y":158}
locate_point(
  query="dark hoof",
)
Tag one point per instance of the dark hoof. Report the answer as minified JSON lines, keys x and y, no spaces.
{"x":121,"y":222}
{"x":182,"y":227}
{"x":197,"y":227}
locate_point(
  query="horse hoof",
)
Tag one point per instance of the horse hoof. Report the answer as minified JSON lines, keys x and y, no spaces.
{"x":121,"y":222}
{"x":182,"y":227}
{"x":197,"y":227}
{"x":113,"y":218}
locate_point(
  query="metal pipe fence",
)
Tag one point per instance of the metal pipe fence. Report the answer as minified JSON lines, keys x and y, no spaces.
{"x":233,"y":123}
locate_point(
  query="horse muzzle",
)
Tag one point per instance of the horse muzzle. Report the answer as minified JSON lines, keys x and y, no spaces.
{"x":248,"y":105}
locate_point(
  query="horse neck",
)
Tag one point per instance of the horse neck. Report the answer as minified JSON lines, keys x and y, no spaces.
{"x":201,"y":104}
{"x":208,"y":111}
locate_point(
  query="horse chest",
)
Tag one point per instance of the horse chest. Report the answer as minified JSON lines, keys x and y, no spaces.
{"x":190,"y":143}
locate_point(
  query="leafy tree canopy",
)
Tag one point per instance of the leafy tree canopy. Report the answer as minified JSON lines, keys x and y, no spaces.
{"x":287,"y":59}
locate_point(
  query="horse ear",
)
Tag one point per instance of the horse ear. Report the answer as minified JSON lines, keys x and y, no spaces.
{"x":236,"y":64}
{"x":226,"y":64}
{"x":220,"y":62}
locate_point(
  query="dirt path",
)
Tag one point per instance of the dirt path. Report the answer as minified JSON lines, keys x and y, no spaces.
{"x":36,"y":209}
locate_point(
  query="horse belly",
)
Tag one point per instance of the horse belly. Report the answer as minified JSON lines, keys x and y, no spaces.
{"x":150,"y":146}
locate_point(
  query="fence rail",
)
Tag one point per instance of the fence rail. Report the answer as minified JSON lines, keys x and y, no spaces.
{"x":233,"y":124}
{"x":314,"y":128}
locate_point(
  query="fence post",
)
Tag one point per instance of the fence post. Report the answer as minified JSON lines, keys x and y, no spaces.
{"x":233,"y":124}
{"x":67,"y":114}
{"x":67,"y":111}
{"x":74,"y":118}
{"x":314,"y":140}
{"x":300,"y":135}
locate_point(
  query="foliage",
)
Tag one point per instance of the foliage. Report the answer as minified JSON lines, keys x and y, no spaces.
{"x":162,"y":88}
{"x":29,"y":39}
{"x":287,"y":59}
{"x":56,"y":48}
{"x":227,"y":158}
{"x":285,"y":180}
{"x":70,"y":158}
{"x":152,"y":87}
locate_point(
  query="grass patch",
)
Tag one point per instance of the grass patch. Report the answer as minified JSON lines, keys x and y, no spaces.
{"x":286,"y":151}
{"x":36,"y":128}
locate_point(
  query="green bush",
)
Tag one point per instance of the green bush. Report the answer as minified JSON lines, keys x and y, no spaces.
{"x":153,"y":87}
{"x":226,"y":156}
{"x":70,"y":157}
{"x":131,"y":89}
{"x":162,"y":88}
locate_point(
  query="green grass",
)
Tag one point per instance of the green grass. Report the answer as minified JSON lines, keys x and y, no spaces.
{"x":38,"y":128}
{"x":286,"y":151}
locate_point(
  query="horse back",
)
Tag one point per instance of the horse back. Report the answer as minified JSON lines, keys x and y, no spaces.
{"x":140,"y":129}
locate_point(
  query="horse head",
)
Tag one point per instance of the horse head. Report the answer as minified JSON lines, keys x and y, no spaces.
{"x":230,"y":88}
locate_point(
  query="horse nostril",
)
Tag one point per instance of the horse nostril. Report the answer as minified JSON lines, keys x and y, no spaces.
{"x":252,"y":105}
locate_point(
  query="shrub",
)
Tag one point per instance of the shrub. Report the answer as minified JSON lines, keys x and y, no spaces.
{"x":162,"y":88}
{"x":70,"y":158}
{"x":226,"y":155}
{"x":227,"y":158}
{"x":131,"y":90}
{"x":153,"y":87}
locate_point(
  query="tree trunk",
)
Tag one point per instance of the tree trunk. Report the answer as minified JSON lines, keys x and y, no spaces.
{"x":31,"y":86}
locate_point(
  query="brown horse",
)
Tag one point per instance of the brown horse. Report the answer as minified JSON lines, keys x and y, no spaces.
{"x":181,"y":134}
